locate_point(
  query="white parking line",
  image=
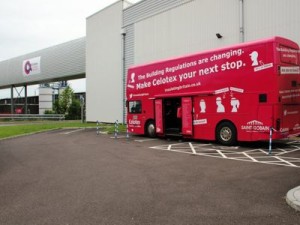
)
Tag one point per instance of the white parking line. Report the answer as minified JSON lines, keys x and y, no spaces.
{"x":230,"y":148}
{"x":258,"y":151}
{"x":73,"y":131}
{"x":119,"y":137}
{"x":192,"y":148}
{"x":239,"y":154}
{"x":282,"y":153}
{"x":245,"y":154}
{"x":224,"y":156}
{"x":293,"y":142}
{"x":282,"y":160}
{"x":145,"y":140}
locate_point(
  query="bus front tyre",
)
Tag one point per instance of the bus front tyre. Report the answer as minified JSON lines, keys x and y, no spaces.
{"x":226,"y":134}
{"x":150,"y":129}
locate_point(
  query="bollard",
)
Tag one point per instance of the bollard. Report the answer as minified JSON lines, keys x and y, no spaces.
{"x":127,"y":132}
{"x":97,"y":128}
{"x":270,"y":141}
{"x":116,"y":128}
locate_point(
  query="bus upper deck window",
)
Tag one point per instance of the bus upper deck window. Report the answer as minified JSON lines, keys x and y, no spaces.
{"x":135,"y":107}
{"x":263,"y":98}
{"x":288,"y":55}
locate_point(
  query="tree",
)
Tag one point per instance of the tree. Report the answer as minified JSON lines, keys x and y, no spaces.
{"x":74,"y":111}
{"x":65,"y":99}
{"x":67,"y":104}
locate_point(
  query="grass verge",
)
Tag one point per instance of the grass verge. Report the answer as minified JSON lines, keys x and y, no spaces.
{"x":21,"y":128}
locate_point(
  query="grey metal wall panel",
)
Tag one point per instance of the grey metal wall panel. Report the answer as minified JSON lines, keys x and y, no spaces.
{"x":129,"y":46}
{"x":272,"y":18}
{"x":138,"y":12}
{"x":146,"y":8}
{"x":192,"y":27}
{"x":60,"y":62}
{"x":129,"y":60}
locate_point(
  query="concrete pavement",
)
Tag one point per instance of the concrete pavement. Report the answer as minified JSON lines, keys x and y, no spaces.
{"x":293,"y":198}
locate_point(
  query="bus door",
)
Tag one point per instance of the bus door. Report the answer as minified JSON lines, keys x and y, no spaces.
{"x":159,"y":124}
{"x":173,"y":116}
{"x":187,"y":115}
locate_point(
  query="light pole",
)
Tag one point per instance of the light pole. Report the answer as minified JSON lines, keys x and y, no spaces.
{"x":82,"y":108}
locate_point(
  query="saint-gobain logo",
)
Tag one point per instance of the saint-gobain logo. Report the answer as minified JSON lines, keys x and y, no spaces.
{"x":255,"y":126}
{"x":254,"y":122}
{"x":27,"y":67}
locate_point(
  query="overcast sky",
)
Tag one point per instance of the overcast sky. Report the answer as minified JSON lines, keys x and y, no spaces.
{"x":30,"y":25}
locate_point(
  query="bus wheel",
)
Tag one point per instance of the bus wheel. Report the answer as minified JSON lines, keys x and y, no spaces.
{"x":150,"y":129}
{"x":226,"y":133}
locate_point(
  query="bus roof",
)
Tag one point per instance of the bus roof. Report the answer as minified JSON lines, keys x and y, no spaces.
{"x":277,"y":39}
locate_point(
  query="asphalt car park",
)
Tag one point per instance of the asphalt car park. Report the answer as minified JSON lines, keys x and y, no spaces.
{"x":78,"y":177}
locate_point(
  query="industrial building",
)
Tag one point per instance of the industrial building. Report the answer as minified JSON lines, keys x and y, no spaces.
{"x":151,"y":30}
{"x":124,"y":34}
{"x":57,"y":63}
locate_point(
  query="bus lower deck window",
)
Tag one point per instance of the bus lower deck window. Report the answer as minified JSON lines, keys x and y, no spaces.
{"x":135,"y":107}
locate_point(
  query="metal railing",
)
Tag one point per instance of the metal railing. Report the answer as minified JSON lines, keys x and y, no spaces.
{"x":32,"y":116}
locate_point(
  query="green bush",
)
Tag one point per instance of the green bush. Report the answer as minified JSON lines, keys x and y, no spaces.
{"x":49,"y":112}
{"x":74,"y":111}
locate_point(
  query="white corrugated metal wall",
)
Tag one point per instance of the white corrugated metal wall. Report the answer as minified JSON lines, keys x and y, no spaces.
{"x":104,"y":65}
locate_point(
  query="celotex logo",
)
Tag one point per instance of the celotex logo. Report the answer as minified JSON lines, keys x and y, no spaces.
{"x":27,"y":67}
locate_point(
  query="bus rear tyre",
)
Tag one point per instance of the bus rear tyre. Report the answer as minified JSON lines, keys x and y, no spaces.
{"x":150,"y":129}
{"x":226,"y":133}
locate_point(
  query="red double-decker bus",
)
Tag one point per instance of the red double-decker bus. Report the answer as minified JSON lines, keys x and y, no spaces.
{"x":237,"y":93}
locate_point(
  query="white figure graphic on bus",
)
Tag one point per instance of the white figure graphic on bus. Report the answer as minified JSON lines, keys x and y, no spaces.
{"x":235,"y":103}
{"x":132,"y":78}
{"x":254,"y":58}
{"x":202,"y":105}
{"x":220,"y":106}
